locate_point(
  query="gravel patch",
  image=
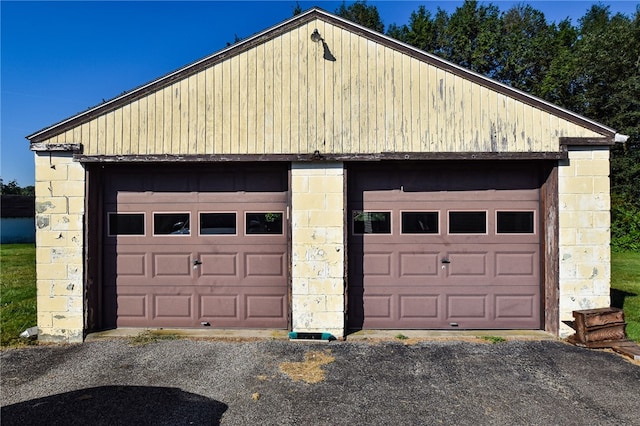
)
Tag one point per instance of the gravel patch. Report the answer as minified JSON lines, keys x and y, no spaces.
{"x":187,"y":381}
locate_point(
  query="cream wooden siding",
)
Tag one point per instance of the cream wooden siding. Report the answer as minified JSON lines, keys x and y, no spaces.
{"x":283,"y":97}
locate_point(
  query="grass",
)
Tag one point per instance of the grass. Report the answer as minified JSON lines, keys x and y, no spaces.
{"x":151,"y":336}
{"x":493,"y":339}
{"x":17,"y":292}
{"x":625,"y":289}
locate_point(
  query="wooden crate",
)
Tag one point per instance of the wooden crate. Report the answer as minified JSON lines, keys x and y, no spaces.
{"x":597,"y":325}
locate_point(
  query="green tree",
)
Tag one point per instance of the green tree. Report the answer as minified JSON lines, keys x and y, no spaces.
{"x":525,"y":48}
{"x":471,"y":37}
{"x":361,"y":13}
{"x":12,"y":188}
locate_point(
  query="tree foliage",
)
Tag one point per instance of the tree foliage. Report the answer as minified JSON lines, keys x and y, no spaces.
{"x":12,"y":188}
{"x":361,"y":13}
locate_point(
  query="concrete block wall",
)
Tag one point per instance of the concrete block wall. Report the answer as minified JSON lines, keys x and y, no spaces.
{"x":584,"y":232}
{"x":317,"y":273}
{"x":60,"y":192}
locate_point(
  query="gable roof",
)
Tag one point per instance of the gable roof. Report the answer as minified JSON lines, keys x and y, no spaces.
{"x":290,"y":24}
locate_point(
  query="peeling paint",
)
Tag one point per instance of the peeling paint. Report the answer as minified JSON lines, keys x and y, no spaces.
{"x":566,"y":256}
{"x":43,"y":207}
{"x":594,"y":273}
{"x":42,"y":222}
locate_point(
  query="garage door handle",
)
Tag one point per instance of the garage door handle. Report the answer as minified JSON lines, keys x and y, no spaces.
{"x":445,"y":261}
{"x":197,"y":262}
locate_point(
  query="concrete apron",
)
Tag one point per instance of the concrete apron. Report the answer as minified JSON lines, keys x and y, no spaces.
{"x":362,"y":335}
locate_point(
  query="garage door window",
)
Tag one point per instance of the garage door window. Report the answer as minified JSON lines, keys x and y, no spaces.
{"x":420,"y":222}
{"x":263,"y":223}
{"x":126,"y":224}
{"x":218,"y":224}
{"x":171,"y":224}
{"x":467,"y":222}
{"x":371,"y":222}
{"x":515,"y":222}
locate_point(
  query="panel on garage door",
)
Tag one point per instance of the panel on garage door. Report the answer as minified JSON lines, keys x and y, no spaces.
{"x":193,"y":248}
{"x":443,"y":245}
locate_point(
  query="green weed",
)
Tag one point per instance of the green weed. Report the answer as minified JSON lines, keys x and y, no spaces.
{"x":493,"y":339}
{"x":151,"y":336}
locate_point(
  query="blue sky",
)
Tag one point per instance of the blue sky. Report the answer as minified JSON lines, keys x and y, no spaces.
{"x":60,"y":58}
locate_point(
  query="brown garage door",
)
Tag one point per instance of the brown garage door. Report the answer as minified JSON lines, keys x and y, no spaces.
{"x":193,"y":248}
{"x":444,"y":245}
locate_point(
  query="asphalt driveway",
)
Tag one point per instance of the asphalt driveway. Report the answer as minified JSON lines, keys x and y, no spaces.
{"x":201,"y":382}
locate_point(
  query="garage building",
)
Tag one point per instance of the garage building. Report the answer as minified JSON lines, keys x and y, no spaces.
{"x":321,"y":177}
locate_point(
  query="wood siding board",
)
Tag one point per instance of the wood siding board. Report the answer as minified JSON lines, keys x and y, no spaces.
{"x":295,"y":93}
{"x":433,"y":103}
{"x":143,"y":119}
{"x":234,"y":104}
{"x":243,"y":107}
{"x":217,"y":109}
{"x":313,"y":54}
{"x":86,"y":137}
{"x":251,"y":79}
{"x":94,"y":135}
{"x":285,"y":133}
{"x":167,"y":120}
{"x":389,"y":101}
{"x":260,"y":100}
{"x":277,"y":95}
{"x":372,"y":97}
{"x":460,"y":109}
{"x":328,"y":88}
{"x":126,"y":129}
{"x":363,"y":109}
{"x":321,"y":90}
{"x":405,"y":110}
{"x":176,"y":143}
{"x":201,"y":112}
{"x":489,"y":134}
{"x":209,"y":111}
{"x":423,"y":97}
{"x":303,"y":88}
{"x":416,"y":116}
{"x":345,"y":89}
{"x":76,"y":134}
{"x":398,"y":97}
{"x":227,"y":106}
{"x":380,"y":99}
{"x":536,"y":130}
{"x":473,"y":116}
{"x":109,"y":132}
{"x":189,"y":113}
{"x":341,"y":55}
{"x":160,"y":124}
{"x":269,"y":97}
{"x":151,"y":124}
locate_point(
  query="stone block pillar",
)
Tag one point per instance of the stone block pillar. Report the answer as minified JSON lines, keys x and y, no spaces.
{"x":60,"y":195}
{"x":584,"y":232}
{"x":318,"y":247}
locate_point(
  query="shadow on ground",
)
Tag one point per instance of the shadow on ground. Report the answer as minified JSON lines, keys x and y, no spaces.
{"x":117,"y":405}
